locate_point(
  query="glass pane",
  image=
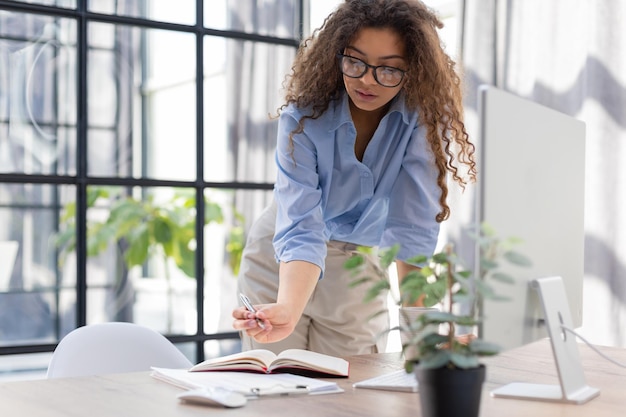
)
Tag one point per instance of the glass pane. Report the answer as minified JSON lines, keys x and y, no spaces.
{"x":179,"y":11}
{"x":242,"y":90}
{"x":141,"y":266}
{"x":142,"y":103}
{"x":25,"y":367}
{"x":189,"y":350}
{"x":37,"y":94}
{"x":270,"y":18}
{"x":60,"y":3}
{"x":31,"y":279}
{"x":223,"y":347}
{"x":240,"y":209}
{"x":318,"y":11}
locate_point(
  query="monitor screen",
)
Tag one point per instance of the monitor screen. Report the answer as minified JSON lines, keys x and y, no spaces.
{"x":531,"y":186}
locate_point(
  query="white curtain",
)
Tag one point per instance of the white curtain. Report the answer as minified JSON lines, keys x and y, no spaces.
{"x":569,"y":55}
{"x":256,"y":74}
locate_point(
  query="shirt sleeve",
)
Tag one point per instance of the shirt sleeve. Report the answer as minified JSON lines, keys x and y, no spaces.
{"x":300,"y":231}
{"x":415,"y":202}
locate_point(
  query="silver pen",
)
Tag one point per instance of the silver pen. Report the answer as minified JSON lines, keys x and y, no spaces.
{"x":279,"y":390}
{"x":246,"y":302}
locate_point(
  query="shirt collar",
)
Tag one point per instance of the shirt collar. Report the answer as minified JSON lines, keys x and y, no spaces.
{"x":342,"y":110}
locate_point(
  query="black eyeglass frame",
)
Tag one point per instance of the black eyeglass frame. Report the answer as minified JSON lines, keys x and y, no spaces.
{"x":374,"y":68}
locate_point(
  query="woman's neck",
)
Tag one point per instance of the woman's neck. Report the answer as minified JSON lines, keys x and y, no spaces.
{"x":364,"y":118}
{"x":365,"y":123}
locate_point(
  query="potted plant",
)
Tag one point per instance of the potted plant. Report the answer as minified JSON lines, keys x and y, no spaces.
{"x":446,"y":363}
{"x":145,"y":228}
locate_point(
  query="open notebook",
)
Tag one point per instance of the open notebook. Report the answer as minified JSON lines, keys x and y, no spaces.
{"x":252,"y":385}
{"x":294,"y":361}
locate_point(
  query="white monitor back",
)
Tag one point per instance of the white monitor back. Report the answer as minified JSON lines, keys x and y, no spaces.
{"x":531,"y":186}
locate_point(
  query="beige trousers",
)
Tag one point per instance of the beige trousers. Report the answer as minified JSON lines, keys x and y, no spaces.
{"x":336,"y":321}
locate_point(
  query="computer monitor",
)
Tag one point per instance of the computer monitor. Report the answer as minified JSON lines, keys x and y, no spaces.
{"x":531,"y":186}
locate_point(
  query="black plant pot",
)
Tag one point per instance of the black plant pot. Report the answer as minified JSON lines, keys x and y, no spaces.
{"x":446,"y":392}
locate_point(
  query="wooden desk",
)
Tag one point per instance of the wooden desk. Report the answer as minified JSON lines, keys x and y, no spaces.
{"x":138,"y":394}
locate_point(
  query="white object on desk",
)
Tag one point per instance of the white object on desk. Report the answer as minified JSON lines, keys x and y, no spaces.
{"x":572,"y":388}
{"x":214,"y":397}
{"x":252,"y":385}
{"x":393,"y":381}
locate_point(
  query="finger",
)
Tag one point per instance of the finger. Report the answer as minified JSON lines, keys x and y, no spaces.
{"x":240,"y":313}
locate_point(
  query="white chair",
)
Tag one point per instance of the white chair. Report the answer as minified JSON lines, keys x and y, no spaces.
{"x":116,"y":347}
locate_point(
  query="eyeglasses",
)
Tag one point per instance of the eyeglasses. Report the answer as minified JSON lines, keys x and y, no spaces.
{"x":355,"y":68}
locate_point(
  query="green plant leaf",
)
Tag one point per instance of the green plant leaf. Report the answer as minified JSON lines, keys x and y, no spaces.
{"x":187,"y":259}
{"x":483,"y":348}
{"x":464,"y":320}
{"x":66,"y":239}
{"x":436,"y":317}
{"x":139,"y":243}
{"x":163,"y":230}
{"x":434,"y":293}
{"x":417,"y":260}
{"x":487,"y":230}
{"x":378,"y":288}
{"x":388,"y":256}
{"x":502,"y":277}
{"x":354,"y":262}
{"x":435,"y":359}
{"x":463,"y":280}
{"x":234,"y":247}
{"x":484,"y":289}
{"x":360,"y":281}
{"x":488,"y":264}
{"x":367,"y":250}
{"x":431,"y":340}
{"x":440,"y":258}
{"x":213,"y":213}
{"x":464,"y":361}
{"x":378,"y":314}
{"x":69,"y":213}
{"x":100,"y":237}
{"x":517,"y":258}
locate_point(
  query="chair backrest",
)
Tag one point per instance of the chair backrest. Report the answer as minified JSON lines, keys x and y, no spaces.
{"x":115,"y":347}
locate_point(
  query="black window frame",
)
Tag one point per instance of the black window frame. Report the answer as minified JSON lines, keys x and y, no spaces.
{"x":82,"y":179}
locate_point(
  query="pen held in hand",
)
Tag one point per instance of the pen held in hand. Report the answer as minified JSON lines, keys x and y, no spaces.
{"x":246,"y":302}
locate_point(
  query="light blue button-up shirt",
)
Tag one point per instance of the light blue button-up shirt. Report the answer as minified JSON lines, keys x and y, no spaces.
{"x":323,"y":192}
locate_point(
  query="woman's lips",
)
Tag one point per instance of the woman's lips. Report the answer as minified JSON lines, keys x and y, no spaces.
{"x":366,"y":95}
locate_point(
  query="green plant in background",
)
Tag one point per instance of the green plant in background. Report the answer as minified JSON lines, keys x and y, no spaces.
{"x":146,"y":229}
{"x":236,"y":242}
{"x":165,"y":229}
{"x":442,"y":279}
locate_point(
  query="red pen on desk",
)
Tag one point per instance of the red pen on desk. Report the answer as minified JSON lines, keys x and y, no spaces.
{"x":246,"y":302}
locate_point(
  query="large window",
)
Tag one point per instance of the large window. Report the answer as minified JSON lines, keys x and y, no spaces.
{"x":135,"y":150}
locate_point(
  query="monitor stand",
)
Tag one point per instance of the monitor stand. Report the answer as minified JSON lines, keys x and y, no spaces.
{"x":572,"y":388}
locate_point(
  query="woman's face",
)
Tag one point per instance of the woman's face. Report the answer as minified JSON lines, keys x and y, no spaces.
{"x":374,"y":46}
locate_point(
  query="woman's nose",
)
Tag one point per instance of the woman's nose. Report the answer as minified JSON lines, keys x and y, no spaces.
{"x":368,"y":77}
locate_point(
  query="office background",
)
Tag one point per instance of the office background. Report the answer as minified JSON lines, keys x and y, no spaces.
{"x":150,"y":102}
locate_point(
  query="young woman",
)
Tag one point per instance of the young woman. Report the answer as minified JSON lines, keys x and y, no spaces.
{"x":371,"y":128}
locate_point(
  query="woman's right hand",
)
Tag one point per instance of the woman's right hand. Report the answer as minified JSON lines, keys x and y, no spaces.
{"x":277,"y":319}
{"x":297,"y":280}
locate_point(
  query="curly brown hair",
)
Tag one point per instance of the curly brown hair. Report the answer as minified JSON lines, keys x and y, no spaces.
{"x":432,"y":86}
